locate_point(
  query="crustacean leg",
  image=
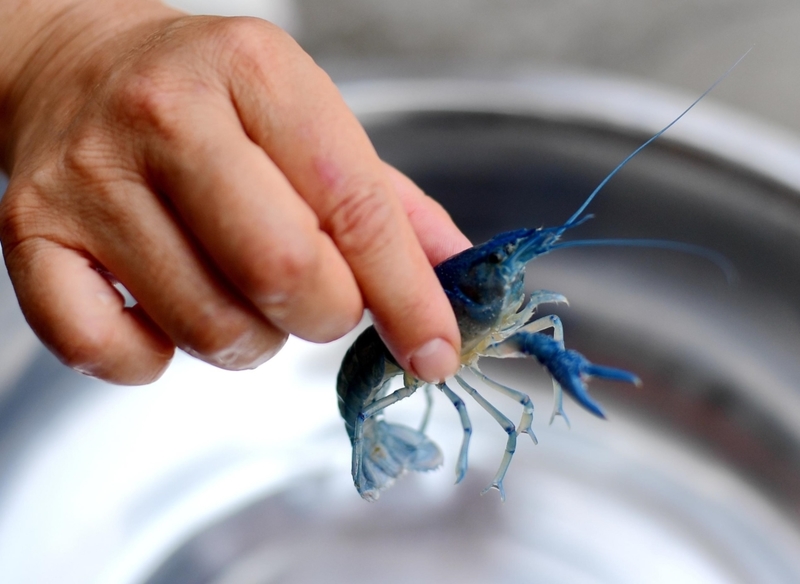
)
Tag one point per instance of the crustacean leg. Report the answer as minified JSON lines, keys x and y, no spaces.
{"x":535,"y":299}
{"x":507,"y":425}
{"x":524,"y":426}
{"x":428,"y":407}
{"x":461,"y":463}
{"x":502,"y":350}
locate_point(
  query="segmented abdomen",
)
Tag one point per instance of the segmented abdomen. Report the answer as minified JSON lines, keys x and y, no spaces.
{"x":367,"y":365}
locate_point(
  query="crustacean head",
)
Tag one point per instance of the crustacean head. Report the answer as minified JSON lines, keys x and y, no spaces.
{"x":486,"y":282}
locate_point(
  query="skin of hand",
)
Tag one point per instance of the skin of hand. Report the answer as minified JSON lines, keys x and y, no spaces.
{"x":211,"y":167}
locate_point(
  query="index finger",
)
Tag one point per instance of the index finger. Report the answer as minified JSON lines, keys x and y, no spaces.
{"x":295,"y":113}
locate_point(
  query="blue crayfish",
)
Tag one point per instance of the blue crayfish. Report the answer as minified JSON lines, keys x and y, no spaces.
{"x":485,"y":286}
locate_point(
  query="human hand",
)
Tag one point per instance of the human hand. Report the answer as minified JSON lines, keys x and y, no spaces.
{"x":213,"y":169}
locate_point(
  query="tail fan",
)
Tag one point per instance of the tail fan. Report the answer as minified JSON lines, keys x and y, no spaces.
{"x":389,"y":450}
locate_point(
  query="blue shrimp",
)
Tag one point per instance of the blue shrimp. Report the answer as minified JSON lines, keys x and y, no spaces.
{"x":485,"y":286}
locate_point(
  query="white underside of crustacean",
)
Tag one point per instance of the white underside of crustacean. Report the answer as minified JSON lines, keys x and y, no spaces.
{"x":515,"y":315}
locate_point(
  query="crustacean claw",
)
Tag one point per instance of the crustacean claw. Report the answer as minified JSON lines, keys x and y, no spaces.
{"x":567,"y":367}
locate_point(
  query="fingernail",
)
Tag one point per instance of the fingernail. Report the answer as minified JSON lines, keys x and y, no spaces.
{"x":244,"y":353}
{"x":434,"y":361}
{"x":87,"y":370}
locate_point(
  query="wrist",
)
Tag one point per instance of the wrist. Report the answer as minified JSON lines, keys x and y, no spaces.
{"x":55,"y":51}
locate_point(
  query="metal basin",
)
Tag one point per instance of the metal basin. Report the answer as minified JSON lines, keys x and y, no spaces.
{"x":212,"y":477}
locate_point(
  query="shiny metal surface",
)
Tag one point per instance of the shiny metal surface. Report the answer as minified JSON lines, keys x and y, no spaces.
{"x":211,"y":477}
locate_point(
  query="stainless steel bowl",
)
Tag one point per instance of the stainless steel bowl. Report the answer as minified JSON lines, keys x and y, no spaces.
{"x":212,"y":477}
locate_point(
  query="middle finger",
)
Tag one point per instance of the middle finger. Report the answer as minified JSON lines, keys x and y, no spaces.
{"x":252,"y":223}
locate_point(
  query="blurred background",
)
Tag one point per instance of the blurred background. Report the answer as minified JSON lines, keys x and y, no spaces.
{"x":508,"y":112}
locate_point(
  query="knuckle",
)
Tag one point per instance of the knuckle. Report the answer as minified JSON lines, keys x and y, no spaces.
{"x":85,"y":348}
{"x":251,"y":40}
{"x":18,"y":218}
{"x":211,"y":330}
{"x":96,"y":351}
{"x":149,"y":101}
{"x":243,"y":31}
{"x":25,"y":218}
{"x":87,"y":156}
{"x":362,"y":217}
{"x":279,"y":273}
{"x":262,"y":55}
{"x":222,"y":336}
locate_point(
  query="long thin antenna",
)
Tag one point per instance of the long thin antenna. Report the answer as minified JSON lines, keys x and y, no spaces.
{"x":718,"y":259}
{"x":640,"y":148}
